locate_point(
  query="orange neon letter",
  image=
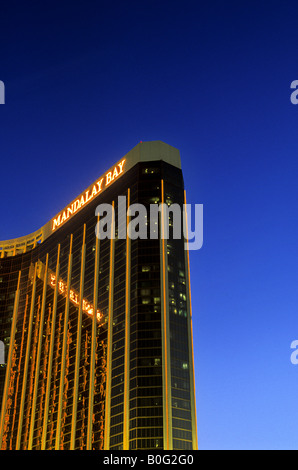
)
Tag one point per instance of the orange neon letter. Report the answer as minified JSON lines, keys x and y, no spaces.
{"x":56,"y":222}
{"x":121,"y":166}
{"x":108,"y":178}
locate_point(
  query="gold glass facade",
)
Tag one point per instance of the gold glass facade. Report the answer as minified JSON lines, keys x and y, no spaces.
{"x":98,"y":333}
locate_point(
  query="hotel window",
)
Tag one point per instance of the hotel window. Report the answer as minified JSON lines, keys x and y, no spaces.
{"x":145,"y":292}
{"x":150,"y":171}
{"x":146,"y":269}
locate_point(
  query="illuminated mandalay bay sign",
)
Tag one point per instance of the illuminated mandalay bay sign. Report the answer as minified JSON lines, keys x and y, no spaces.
{"x":88,"y":195}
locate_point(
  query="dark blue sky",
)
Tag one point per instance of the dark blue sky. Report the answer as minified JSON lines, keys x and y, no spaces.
{"x":87,"y":80}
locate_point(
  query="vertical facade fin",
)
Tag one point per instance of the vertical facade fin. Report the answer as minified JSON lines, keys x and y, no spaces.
{"x":166,"y":365}
{"x":43,"y":304}
{"x":51,"y":353}
{"x":110,"y":335}
{"x":27,"y":357}
{"x":190,"y":336}
{"x":127,"y":335}
{"x":78,"y":345}
{"x":64,"y":348}
{"x":93,"y":344}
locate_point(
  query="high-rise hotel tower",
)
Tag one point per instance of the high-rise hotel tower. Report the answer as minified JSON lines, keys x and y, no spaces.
{"x":98,"y":332}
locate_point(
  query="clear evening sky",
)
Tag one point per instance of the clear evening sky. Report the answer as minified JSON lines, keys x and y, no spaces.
{"x":87,"y":80}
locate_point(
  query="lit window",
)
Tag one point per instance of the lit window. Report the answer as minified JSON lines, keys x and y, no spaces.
{"x":145,"y":269}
